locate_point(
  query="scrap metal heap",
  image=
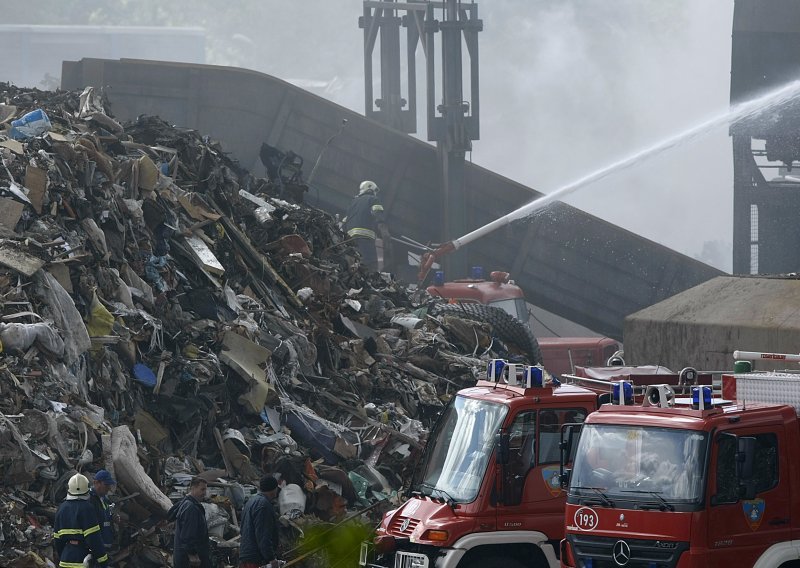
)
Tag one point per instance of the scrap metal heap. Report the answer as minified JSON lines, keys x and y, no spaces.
{"x":166,"y":314}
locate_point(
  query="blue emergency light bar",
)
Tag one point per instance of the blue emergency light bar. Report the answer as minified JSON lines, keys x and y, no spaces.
{"x":697,"y":403}
{"x":627,"y":393}
{"x":494,"y":370}
{"x":533,"y":376}
{"x":476,"y":273}
{"x":438,"y":278}
{"x":500,"y":370}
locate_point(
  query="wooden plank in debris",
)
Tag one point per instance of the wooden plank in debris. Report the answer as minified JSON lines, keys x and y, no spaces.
{"x":10,"y":212}
{"x":196,"y":210}
{"x":22,"y":262}
{"x":36,"y":182}
{"x":204,"y":256}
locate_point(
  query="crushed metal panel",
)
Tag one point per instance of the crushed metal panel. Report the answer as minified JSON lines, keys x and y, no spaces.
{"x":10,"y":212}
{"x":22,"y":262}
{"x":203,"y":255}
{"x":247,"y":359}
{"x":13,"y":145}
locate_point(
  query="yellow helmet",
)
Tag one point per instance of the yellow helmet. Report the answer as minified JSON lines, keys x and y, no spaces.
{"x":78,"y":485}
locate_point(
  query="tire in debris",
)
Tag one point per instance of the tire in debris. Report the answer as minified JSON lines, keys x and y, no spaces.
{"x":505,"y":326}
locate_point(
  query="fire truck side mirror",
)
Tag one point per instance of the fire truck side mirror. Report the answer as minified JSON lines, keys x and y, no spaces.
{"x":502,"y":454}
{"x":568,"y":432}
{"x":745,"y":456}
{"x":563,"y":477}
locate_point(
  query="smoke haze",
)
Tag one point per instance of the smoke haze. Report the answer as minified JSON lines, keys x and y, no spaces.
{"x":567,"y":87}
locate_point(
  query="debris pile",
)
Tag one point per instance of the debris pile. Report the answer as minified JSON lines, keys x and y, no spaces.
{"x":167,"y":314}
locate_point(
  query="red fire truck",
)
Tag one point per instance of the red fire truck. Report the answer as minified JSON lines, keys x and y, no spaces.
{"x":559,"y":355}
{"x":487,"y":492}
{"x":689,"y":482}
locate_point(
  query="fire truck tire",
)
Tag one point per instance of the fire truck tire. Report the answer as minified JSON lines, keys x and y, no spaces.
{"x":505,"y":326}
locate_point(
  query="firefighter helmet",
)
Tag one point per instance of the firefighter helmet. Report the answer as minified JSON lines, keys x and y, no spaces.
{"x":78,"y":485}
{"x":368,"y":186}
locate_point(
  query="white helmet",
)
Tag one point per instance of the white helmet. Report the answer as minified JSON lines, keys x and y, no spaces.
{"x":367,"y":186}
{"x":78,"y":485}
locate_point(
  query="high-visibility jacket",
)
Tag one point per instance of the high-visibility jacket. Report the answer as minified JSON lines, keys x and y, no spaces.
{"x":77,"y":533}
{"x":363,"y":216}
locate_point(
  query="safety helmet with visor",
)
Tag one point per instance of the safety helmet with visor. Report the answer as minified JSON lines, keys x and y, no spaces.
{"x":78,"y":485}
{"x":368,"y":187}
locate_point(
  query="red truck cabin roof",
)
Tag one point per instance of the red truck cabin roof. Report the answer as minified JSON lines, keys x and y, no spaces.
{"x":688,"y":418}
{"x":501,"y":393}
{"x":481,"y":291}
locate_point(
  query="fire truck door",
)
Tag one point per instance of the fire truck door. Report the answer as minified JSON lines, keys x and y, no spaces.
{"x":740,"y":530}
{"x":533,"y":498}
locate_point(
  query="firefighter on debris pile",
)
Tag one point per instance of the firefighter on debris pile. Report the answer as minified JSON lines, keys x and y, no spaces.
{"x":365,"y":221}
{"x":76,"y":530}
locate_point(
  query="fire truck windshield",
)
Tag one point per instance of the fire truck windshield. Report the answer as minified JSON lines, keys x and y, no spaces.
{"x":640,"y":464}
{"x":513,"y":306}
{"x":459,"y":449}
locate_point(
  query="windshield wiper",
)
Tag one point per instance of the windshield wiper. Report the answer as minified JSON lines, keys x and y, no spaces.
{"x":599,"y":490}
{"x":663,"y":503}
{"x":448,"y":498}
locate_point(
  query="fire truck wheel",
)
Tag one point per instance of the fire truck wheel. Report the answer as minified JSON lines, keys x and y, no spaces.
{"x":504,"y":325}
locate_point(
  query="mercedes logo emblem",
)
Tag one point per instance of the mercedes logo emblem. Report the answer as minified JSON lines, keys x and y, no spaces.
{"x":407,"y":522}
{"x":621,"y":553}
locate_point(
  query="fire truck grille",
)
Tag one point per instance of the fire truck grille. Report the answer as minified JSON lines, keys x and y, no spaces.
{"x":410,"y":560}
{"x":606,"y":552}
{"x":403,"y":526}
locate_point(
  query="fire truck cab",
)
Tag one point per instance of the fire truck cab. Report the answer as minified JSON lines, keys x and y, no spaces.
{"x":688,"y":482}
{"x":499,"y":291}
{"x":487,"y":491}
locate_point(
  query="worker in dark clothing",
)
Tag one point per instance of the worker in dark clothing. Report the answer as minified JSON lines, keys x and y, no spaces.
{"x":191,"y":532}
{"x":259,"y":528}
{"x":365,"y":221}
{"x":76,"y":530}
{"x":102,"y":483}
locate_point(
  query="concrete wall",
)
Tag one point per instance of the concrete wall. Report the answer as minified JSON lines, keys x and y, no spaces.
{"x":703,"y":326}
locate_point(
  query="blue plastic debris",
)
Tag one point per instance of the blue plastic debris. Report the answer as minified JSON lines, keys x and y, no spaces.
{"x":35,"y":123}
{"x":144,"y":375}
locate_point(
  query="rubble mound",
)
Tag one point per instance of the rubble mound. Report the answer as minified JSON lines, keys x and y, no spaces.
{"x":166,"y":314}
